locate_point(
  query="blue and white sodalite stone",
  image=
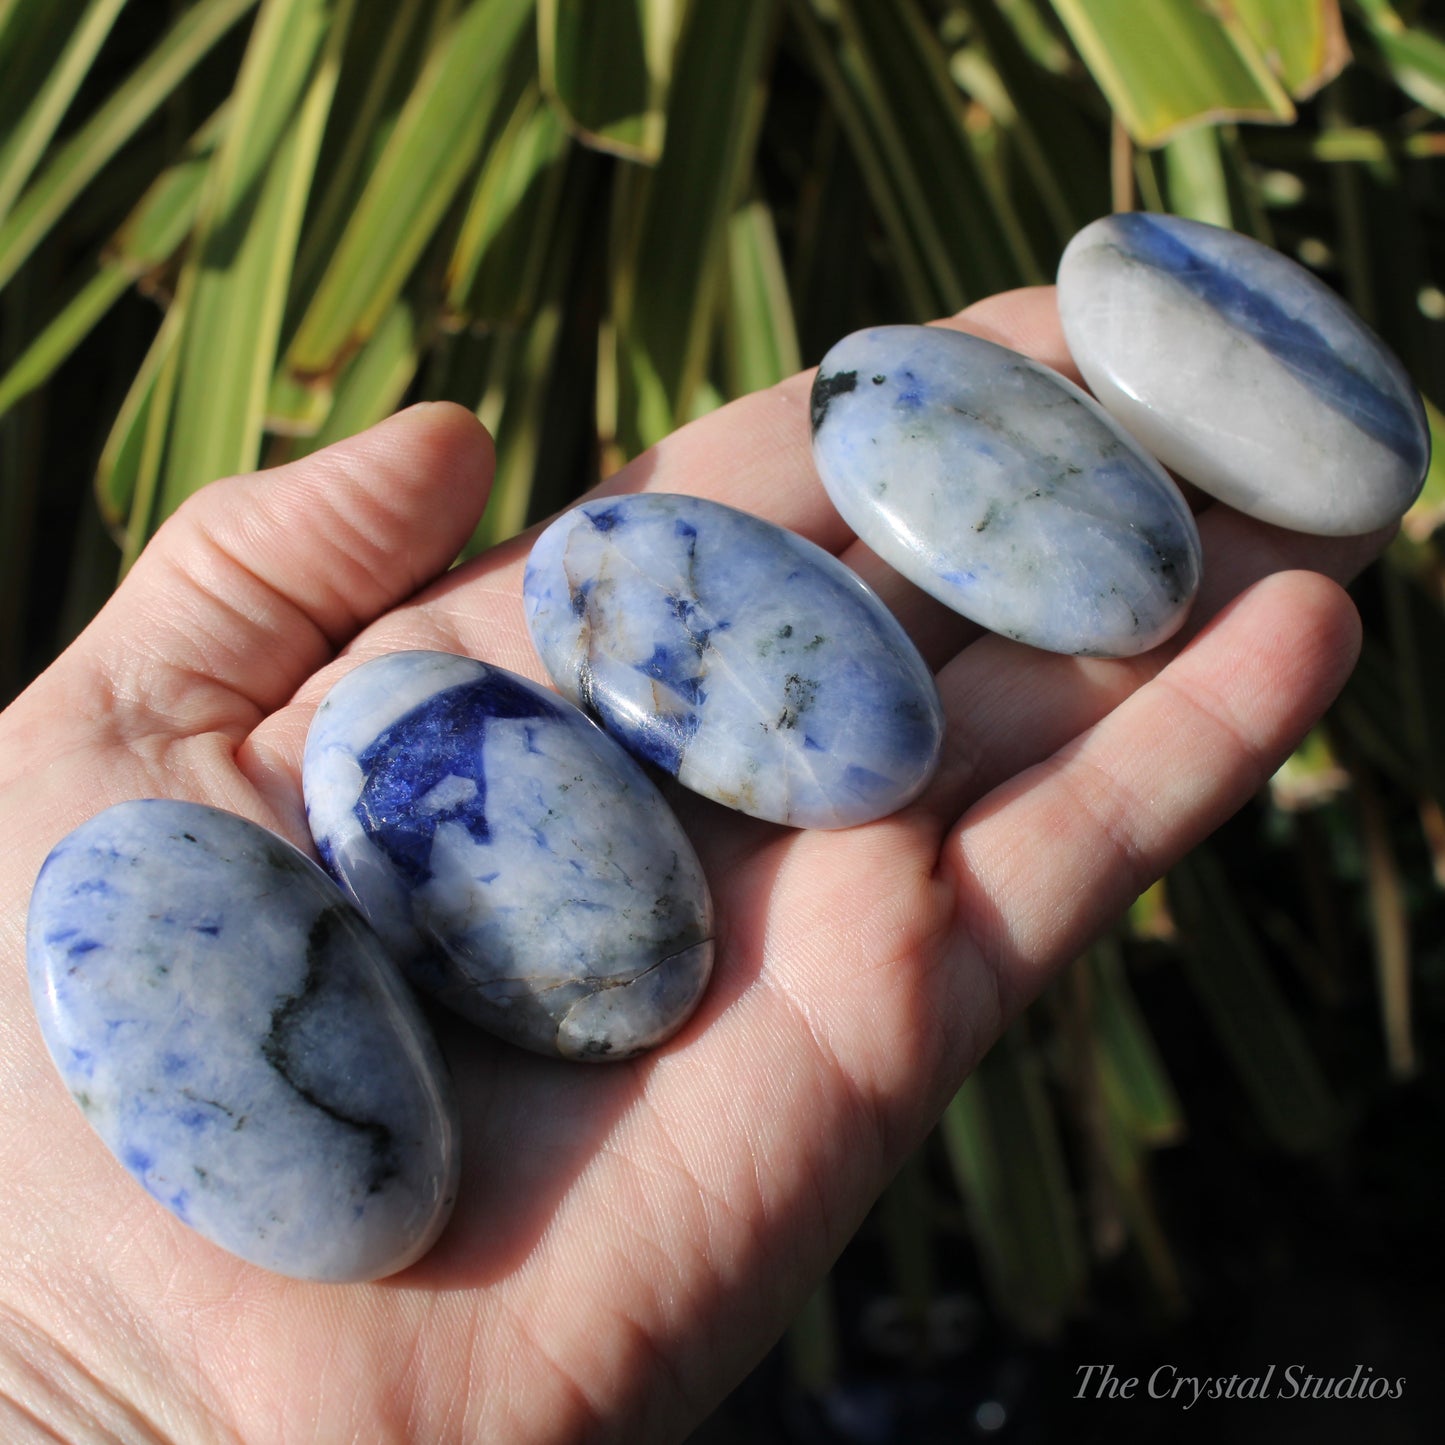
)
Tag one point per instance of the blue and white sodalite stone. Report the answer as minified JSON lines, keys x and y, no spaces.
{"x":742,"y":659}
{"x":1244,"y":373}
{"x":1003,"y":490}
{"x":234,"y":1033}
{"x":520,"y":866}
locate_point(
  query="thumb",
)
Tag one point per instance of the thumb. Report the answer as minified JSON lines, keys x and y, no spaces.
{"x":258,"y":580}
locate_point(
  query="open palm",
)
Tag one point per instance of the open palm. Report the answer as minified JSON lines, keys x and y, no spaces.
{"x":628,"y":1238}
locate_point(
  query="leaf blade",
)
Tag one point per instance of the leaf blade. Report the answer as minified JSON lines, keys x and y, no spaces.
{"x":1302,"y":40}
{"x":429,"y":153}
{"x":606,"y":66}
{"x":673,"y":271}
{"x":76,"y":162}
{"x":1172,"y":64}
{"x":236,"y":278}
{"x":33,"y":132}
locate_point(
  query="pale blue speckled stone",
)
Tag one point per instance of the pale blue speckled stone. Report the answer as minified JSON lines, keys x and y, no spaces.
{"x":742,"y":659}
{"x":519,"y":864}
{"x":1244,"y":373}
{"x":234,"y":1033}
{"x":1003,"y":490}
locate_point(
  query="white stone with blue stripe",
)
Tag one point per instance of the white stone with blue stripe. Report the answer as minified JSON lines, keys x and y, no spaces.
{"x":1244,"y":373}
{"x":235,"y":1034}
{"x":744,"y":660}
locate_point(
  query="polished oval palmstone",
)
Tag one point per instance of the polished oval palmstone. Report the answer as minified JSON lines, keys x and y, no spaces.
{"x":235,"y":1034}
{"x":519,"y":864}
{"x":1001,"y":489}
{"x":1244,"y":373}
{"x":742,"y":659}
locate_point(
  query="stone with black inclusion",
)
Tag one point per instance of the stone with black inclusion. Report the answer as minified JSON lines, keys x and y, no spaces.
{"x":742,"y":659}
{"x":236,"y":1035}
{"x":1003,"y":490}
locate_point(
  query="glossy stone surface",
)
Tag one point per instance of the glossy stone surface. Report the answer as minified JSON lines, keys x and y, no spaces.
{"x":742,"y":659}
{"x":1001,"y":489}
{"x":235,"y":1034}
{"x":520,"y":865}
{"x":1242,"y":372}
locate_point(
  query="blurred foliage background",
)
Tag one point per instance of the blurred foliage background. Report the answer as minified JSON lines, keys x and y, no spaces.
{"x":232,"y":231}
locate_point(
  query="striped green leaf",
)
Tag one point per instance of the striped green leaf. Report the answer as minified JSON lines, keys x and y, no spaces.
{"x":35,"y":365}
{"x":127,"y":480}
{"x":827,"y":280}
{"x":1036,"y":30}
{"x":76,"y":162}
{"x":1134,"y":1080}
{"x":1004,"y":1148}
{"x":1198,"y":186}
{"x":1125,"y":1158}
{"x":236,"y":278}
{"x":21,"y":467}
{"x":33,"y":36}
{"x":497,"y":264}
{"x":146,"y":239}
{"x":672,"y":265}
{"x":1256,"y":1028}
{"x":1174,"y":63}
{"x":515,"y":408}
{"x":117,"y":475}
{"x":386,"y":46}
{"x":954,"y":232}
{"x":8,"y":11}
{"x":22,"y":148}
{"x":1415,"y":58}
{"x":428,"y":156}
{"x":759,"y":338}
{"x":298,"y":406}
{"x":606,"y":65}
{"x":1053,"y":158}
{"x":1389,"y":926}
{"x":166,"y":213}
{"x":1302,"y":41}
{"x":910,"y":252}
{"x":518,"y":402}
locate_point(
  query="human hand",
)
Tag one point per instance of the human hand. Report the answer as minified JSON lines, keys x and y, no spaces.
{"x":628,"y":1238}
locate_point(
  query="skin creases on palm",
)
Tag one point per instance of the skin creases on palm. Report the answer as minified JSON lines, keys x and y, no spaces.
{"x":629,"y":1240}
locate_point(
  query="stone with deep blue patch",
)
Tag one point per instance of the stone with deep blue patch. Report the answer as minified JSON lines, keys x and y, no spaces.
{"x":236,"y":1035}
{"x":520,"y":865}
{"x":742,"y":659}
{"x":1243,"y":372}
{"x":1003,"y":490}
